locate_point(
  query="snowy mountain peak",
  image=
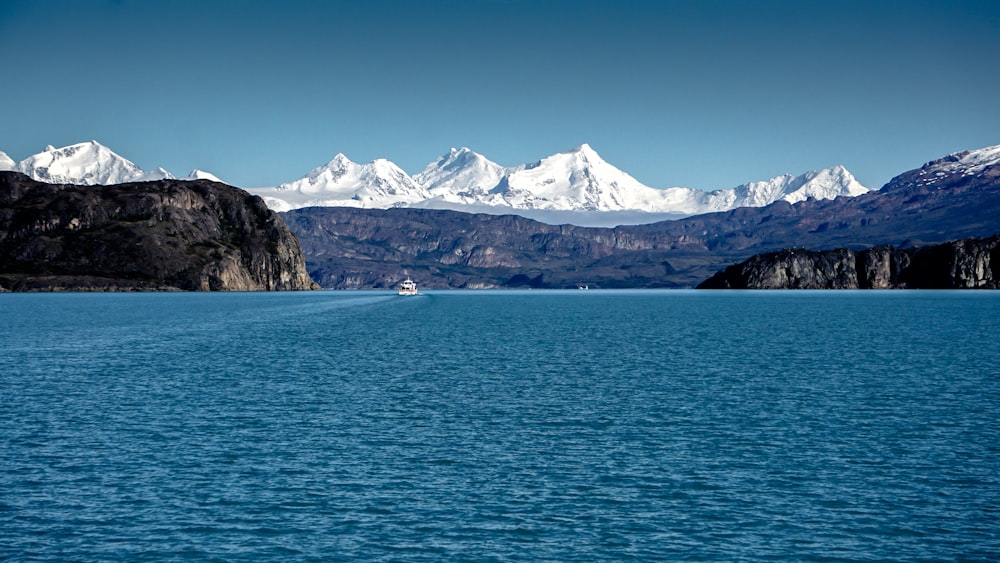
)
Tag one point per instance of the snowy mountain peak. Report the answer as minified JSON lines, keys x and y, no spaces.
{"x":983,"y":157}
{"x":340,"y":160}
{"x":202,"y":175}
{"x":575,"y":179}
{"x":958,"y":164}
{"x":828,"y":183}
{"x":85,"y":163}
{"x":385,"y":164}
{"x":579,"y":179}
{"x":966,"y":162}
{"x":584,"y":154}
{"x":464,"y":154}
{"x":455,"y":158}
{"x":379,"y":183}
{"x":585,"y":151}
{"x":460,"y":173}
{"x":6,"y":162}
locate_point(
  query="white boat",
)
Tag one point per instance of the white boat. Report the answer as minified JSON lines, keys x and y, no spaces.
{"x":408,"y":287}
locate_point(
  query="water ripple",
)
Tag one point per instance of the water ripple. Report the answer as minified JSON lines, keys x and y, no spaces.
{"x":529,"y":426}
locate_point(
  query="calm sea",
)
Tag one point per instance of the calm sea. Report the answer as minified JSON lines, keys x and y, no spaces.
{"x":500,"y":426}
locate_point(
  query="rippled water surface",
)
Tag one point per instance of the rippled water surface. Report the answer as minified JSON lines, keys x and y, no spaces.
{"x":500,"y":426}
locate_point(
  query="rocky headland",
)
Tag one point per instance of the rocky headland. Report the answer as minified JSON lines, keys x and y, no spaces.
{"x":963,"y":264}
{"x":143,"y":236}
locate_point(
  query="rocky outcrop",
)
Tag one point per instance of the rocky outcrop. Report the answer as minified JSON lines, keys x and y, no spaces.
{"x":790,"y":269}
{"x":161,"y":235}
{"x":963,"y":264}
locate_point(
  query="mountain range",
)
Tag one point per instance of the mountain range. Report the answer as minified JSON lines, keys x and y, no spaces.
{"x":955,"y":197}
{"x":576,"y":186}
{"x":89,"y":164}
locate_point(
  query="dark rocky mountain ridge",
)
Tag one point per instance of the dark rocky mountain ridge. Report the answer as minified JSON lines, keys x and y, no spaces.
{"x":350,"y":248}
{"x":962,"y":264}
{"x":160,"y":235}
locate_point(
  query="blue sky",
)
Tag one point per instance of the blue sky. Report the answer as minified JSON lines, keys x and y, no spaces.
{"x":705,"y":94}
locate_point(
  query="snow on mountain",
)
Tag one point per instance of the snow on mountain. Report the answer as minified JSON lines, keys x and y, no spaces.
{"x":580,"y":180}
{"x":6,"y":162}
{"x":379,"y":183}
{"x":460,"y":174}
{"x":967,"y":163}
{"x":201,"y":175}
{"x":949,"y":169}
{"x":85,"y":163}
{"x":828,"y":183}
{"x":89,"y":164}
{"x":159,"y":173}
{"x":575,"y":180}
{"x":566,"y":186}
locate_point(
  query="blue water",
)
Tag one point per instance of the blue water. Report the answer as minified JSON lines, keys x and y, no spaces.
{"x":500,"y":426}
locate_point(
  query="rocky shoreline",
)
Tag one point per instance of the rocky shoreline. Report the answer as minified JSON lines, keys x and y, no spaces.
{"x":963,"y":264}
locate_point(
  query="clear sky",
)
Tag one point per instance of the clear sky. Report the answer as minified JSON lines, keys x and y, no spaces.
{"x":707,"y":94}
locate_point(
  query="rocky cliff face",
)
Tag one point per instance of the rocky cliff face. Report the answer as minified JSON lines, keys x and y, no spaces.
{"x":161,"y":235}
{"x":375,"y":248}
{"x":963,"y":264}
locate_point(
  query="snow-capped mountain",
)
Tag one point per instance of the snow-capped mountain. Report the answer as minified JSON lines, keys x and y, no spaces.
{"x":956,"y":169}
{"x":379,"y":183}
{"x":6,"y":162}
{"x":828,"y":183}
{"x":85,"y":163}
{"x":576,"y":186}
{"x":460,"y":174}
{"x":967,"y":163}
{"x":580,"y":180}
{"x":201,"y":175}
{"x":89,"y":164}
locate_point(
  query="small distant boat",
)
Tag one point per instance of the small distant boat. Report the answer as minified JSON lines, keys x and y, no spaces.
{"x":583,"y":287}
{"x":408,"y":287}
